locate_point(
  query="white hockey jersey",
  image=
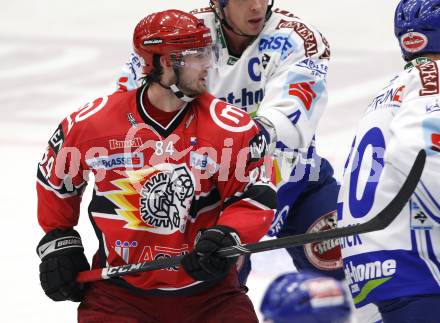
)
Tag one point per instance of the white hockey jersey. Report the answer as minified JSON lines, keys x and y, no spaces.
{"x":404,"y":258}
{"x":281,"y":75}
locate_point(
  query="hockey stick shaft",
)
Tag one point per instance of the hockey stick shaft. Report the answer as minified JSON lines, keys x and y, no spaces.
{"x":379,"y":222}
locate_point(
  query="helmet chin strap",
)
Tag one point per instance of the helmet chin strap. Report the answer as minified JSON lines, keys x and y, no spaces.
{"x":175,"y":89}
{"x":180,"y":95}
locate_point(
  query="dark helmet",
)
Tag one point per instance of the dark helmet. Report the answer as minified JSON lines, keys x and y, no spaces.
{"x":417,"y":27}
{"x":307,"y":298}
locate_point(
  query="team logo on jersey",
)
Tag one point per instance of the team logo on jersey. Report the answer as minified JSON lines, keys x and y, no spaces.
{"x":324,"y":255}
{"x":230,"y":117}
{"x":166,"y":199}
{"x":413,"y":42}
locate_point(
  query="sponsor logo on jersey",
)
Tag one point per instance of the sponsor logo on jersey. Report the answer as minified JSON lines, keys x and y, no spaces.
{"x":324,"y":255}
{"x":122,"y":144}
{"x":304,"y":92}
{"x":350,"y":241}
{"x":166,"y":198}
{"x":245,"y":98}
{"x":122,"y":248}
{"x":419,"y":219}
{"x":413,"y":42}
{"x":134,"y":160}
{"x":153,"y":41}
{"x":430,"y":108}
{"x":162,"y":252}
{"x":284,"y":12}
{"x":327,"y":52}
{"x":375,"y":272}
{"x":203,"y":162}
{"x":57,"y":139}
{"x":391,"y":98}
{"x":435,"y":142}
{"x":317,"y":70}
{"x":265,"y":60}
{"x":306,"y":34}
{"x":429,"y":77}
{"x":277,"y":43}
{"x":431,"y":135}
{"x":248,"y":100}
{"x":229,"y":117}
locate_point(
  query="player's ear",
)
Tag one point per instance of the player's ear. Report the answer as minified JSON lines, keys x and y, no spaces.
{"x":165,"y":61}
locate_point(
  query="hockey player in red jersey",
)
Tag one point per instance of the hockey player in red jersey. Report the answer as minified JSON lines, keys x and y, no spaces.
{"x":176,"y":172}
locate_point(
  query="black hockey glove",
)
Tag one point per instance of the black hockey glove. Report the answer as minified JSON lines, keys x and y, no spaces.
{"x":202,"y":263}
{"x":62,"y":257}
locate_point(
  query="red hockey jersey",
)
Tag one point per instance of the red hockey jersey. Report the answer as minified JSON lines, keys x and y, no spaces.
{"x":155,"y":186}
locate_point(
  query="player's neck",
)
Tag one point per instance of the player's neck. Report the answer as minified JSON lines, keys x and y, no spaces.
{"x":163,"y":99}
{"x":434,"y":57}
{"x":236,"y":43}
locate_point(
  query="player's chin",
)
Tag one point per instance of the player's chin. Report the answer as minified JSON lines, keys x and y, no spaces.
{"x":196,"y":91}
{"x":202,"y":85}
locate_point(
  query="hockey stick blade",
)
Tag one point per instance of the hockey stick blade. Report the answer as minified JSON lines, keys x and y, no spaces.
{"x":379,"y":222}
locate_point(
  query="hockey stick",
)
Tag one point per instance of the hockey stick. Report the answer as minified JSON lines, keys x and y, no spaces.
{"x":379,"y":222}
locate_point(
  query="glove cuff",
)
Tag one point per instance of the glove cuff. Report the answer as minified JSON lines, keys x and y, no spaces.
{"x":59,"y":242}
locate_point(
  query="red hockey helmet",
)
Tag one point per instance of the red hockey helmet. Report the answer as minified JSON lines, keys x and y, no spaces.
{"x":168,"y":32}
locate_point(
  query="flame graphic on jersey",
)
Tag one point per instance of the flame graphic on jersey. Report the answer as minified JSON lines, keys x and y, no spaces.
{"x":127,"y":199}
